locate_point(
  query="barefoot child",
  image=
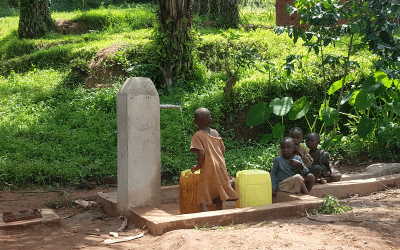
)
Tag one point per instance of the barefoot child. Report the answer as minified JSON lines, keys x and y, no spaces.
{"x":321,"y":165}
{"x":288,"y":172}
{"x":214,"y":186}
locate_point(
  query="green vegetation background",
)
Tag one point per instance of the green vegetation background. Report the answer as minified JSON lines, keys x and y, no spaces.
{"x":54,"y":132}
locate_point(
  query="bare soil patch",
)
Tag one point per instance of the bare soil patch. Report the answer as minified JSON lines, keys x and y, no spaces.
{"x":67,"y":26}
{"x":100,"y":74}
{"x":372,"y":224}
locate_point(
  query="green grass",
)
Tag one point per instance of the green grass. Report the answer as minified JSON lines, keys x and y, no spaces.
{"x":258,"y":16}
{"x":50,"y":134}
{"x":54,"y":132}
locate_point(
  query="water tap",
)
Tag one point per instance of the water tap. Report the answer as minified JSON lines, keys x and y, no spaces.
{"x":170,"y":106}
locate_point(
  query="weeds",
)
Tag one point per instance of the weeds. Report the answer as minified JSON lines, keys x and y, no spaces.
{"x":331,"y":206}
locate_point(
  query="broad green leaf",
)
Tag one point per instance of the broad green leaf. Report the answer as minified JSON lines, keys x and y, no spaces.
{"x":281,"y":107}
{"x":258,"y":114}
{"x":278,"y":130}
{"x":266,"y":138}
{"x":396,"y":107}
{"x":329,"y":115}
{"x":337,"y":85}
{"x":393,"y":95}
{"x":346,"y":96}
{"x":386,"y":98}
{"x":326,"y":144}
{"x":299,"y":109}
{"x":364,"y":100}
{"x":322,"y":107}
{"x":381,"y":90}
{"x":397,"y":133}
{"x":353,"y":97}
{"x":373,"y":152}
{"x":396,"y":83}
{"x":316,"y":50}
{"x":365,"y":127}
{"x":327,"y":41}
{"x":382,"y":77}
{"x":296,"y":34}
{"x":370,"y":84}
{"x":326,"y":4}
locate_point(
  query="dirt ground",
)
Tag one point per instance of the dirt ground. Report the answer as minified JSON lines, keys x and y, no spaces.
{"x":373,"y":223}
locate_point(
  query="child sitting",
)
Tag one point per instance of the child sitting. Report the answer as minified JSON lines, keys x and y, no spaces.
{"x":321,"y":165}
{"x":288,"y":172}
{"x":214,"y":186}
{"x":297,"y":134}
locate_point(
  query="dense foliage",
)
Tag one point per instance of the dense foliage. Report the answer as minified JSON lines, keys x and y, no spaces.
{"x":54,"y":131}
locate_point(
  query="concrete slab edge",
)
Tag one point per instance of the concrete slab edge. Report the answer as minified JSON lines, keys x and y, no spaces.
{"x":49,"y":217}
{"x":109,"y":203}
{"x":159,"y":222}
{"x":159,"y":225}
{"x":344,"y":189}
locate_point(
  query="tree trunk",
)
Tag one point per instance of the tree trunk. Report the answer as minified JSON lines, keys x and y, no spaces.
{"x":175,"y":39}
{"x":225,"y":12}
{"x":214,"y":9}
{"x":232,"y":78}
{"x":229,"y":13}
{"x":201,"y":7}
{"x":35,"y":18}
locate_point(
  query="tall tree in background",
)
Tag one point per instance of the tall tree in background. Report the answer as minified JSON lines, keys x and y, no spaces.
{"x":229,"y":13}
{"x":201,"y":7}
{"x":174,"y":39}
{"x":225,"y":12}
{"x":34,"y":19}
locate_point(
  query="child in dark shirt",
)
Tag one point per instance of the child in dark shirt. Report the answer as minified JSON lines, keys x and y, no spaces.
{"x":321,"y":167}
{"x":288,"y":172}
{"x":297,"y":134}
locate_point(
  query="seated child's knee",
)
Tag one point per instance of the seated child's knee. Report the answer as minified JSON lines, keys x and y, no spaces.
{"x":309,"y":177}
{"x":336,"y":177}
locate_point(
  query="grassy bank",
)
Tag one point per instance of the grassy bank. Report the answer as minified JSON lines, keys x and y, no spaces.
{"x":54,"y":132}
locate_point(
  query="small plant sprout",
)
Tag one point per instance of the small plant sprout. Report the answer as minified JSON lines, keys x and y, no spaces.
{"x":331,"y":205}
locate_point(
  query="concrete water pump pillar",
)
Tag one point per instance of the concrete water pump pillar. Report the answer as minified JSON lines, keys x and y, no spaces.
{"x":139,"y":152}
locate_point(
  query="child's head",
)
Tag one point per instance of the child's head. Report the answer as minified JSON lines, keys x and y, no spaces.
{"x":202,"y":118}
{"x":287,"y":147}
{"x":297,"y":134}
{"x":312,"y":140}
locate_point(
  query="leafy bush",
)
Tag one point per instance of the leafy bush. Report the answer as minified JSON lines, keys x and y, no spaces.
{"x":331,"y":205}
{"x":17,"y":47}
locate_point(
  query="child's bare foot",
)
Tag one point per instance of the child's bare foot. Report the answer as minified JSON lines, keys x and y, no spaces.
{"x":322,"y":181}
{"x":304,"y":189}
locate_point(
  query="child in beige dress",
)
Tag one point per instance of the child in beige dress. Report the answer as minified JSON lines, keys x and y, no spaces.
{"x":214,"y":186}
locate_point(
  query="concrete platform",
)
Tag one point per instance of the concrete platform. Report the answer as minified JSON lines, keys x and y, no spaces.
{"x":374,"y":170}
{"x":344,"y":189}
{"x":49,"y":217}
{"x":165,"y":217}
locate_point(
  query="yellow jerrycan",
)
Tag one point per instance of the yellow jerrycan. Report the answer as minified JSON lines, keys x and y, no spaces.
{"x":188,"y":188}
{"x":253,"y":187}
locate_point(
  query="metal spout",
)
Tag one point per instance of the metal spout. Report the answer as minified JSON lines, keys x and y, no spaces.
{"x":170,"y":106}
